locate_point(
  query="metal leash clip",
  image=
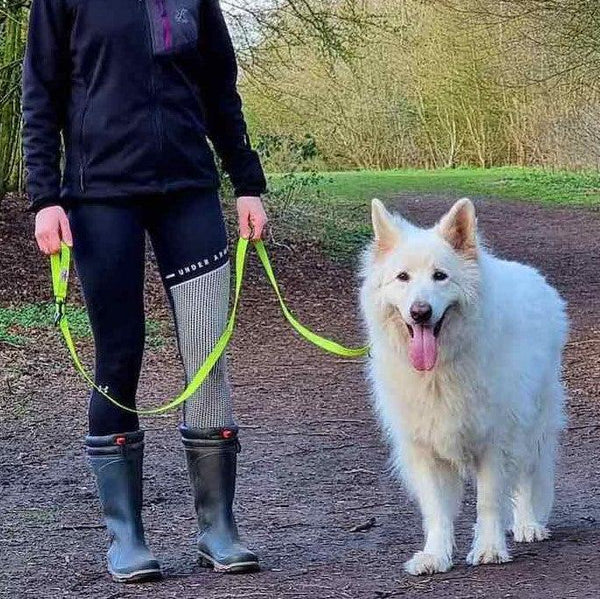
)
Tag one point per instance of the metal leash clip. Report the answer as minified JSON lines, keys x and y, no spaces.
{"x":59,"y":311}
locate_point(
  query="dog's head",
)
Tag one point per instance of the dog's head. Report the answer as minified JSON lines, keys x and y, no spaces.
{"x":426,"y":276}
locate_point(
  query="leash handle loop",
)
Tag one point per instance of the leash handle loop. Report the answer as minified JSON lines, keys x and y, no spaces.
{"x":60,"y":264}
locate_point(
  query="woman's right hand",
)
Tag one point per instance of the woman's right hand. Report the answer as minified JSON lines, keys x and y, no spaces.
{"x":52,"y":227}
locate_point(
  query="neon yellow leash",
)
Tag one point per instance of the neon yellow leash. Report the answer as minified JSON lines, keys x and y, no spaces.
{"x":326,"y":344}
{"x":61,"y":263}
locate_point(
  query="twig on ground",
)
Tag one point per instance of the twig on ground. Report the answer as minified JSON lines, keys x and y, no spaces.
{"x":338,"y":421}
{"x":320,"y":449}
{"x":354,"y":361}
{"x":583,"y":342}
{"x":288,"y":433}
{"x":577,"y":428}
{"x":360,"y":471}
{"x":368,"y":525}
{"x":361,"y":507}
{"x":81,"y":527}
{"x":291,"y":525}
{"x":7,"y":342}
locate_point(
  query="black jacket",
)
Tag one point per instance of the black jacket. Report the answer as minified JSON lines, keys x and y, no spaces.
{"x":134,"y":87}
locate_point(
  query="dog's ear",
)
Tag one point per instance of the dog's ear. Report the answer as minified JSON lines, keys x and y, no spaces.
{"x":459,"y":228}
{"x":386,"y":232}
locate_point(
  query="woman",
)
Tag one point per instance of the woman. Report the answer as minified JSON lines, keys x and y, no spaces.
{"x":134,"y":88}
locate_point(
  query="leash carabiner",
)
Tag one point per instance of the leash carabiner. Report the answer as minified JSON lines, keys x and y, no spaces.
{"x":59,"y":312}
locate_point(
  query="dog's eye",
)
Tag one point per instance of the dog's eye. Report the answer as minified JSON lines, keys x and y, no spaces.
{"x":404,"y":277}
{"x":439,"y":275}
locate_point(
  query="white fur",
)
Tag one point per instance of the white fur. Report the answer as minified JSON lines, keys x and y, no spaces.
{"x":492,"y":407}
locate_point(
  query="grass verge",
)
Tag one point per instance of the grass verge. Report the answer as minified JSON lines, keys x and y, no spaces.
{"x":554,"y":187}
{"x":17,"y":324}
{"x":332,"y":208}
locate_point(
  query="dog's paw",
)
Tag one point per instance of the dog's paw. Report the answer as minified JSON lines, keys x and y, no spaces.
{"x":529,"y":533}
{"x":427,"y":563}
{"x":488,"y":554}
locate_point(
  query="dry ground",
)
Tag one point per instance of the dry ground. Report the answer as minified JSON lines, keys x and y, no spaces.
{"x":313,"y":466}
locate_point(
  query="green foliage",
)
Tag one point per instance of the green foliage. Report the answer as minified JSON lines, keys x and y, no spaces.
{"x":441,"y":84}
{"x":291,"y":205}
{"x":12,"y":45}
{"x":382,"y":84}
{"x":281,"y":153}
{"x":16,"y":322}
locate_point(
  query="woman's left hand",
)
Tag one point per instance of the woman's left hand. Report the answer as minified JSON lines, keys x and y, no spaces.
{"x":252,"y":217}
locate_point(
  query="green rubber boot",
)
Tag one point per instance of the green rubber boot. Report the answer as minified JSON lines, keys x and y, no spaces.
{"x":212,"y":459}
{"x":117,"y":463}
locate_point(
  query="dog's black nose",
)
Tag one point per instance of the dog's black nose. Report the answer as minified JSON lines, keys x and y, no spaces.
{"x":421,"y":312}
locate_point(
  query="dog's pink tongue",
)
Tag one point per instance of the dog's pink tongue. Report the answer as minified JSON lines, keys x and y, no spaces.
{"x":423,"y":348}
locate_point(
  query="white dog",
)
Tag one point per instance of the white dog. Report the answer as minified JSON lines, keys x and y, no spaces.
{"x":466,"y":369}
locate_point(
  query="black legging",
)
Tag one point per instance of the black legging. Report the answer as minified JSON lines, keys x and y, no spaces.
{"x":188,"y":235}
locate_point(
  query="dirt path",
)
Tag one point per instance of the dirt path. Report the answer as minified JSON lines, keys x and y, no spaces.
{"x":313,"y":465}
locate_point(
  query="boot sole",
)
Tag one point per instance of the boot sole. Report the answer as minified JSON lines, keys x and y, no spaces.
{"x":238,"y":568}
{"x":137,"y":577}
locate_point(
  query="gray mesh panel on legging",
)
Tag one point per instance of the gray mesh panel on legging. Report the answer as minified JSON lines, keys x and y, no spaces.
{"x":201,"y":306}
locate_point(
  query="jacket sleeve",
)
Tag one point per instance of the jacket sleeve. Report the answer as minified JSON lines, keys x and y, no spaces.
{"x":223,"y":106}
{"x":45,"y":93}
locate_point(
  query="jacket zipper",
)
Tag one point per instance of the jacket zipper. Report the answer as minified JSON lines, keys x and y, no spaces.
{"x":155,"y":108}
{"x":81,"y":151}
{"x":166,"y":25}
